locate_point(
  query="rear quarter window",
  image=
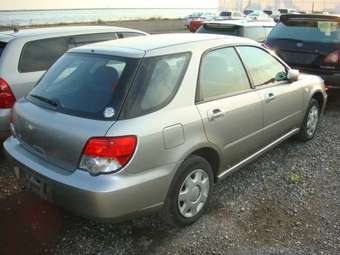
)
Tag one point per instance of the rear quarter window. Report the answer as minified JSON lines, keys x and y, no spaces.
{"x":41,"y":54}
{"x":155,"y":84}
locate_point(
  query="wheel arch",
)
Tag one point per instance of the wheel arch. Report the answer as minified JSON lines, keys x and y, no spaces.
{"x":210,"y":154}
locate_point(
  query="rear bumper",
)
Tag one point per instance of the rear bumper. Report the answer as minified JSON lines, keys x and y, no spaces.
{"x":104,"y":197}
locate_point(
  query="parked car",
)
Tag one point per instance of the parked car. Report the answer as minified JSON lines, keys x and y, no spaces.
{"x":197,"y":16}
{"x":26,"y":54}
{"x":289,"y":11}
{"x":259,"y":16}
{"x":230,"y":15}
{"x":310,"y":43}
{"x":247,"y":11}
{"x":196,"y":23}
{"x":257,"y":31}
{"x":122,"y":128}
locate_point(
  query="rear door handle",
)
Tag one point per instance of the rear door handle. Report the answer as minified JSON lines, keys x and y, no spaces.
{"x":215,"y":114}
{"x":270,"y":97}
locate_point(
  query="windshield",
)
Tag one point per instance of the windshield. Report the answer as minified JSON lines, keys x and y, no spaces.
{"x":308,"y":31}
{"x":2,"y":47}
{"x":86,"y":85}
{"x":220,"y":29}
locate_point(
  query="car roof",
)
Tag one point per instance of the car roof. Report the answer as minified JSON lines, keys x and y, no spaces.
{"x":138,"y":46}
{"x":62,"y":30}
{"x":242,"y":23}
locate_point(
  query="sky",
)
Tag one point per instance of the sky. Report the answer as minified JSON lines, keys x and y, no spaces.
{"x":74,"y":4}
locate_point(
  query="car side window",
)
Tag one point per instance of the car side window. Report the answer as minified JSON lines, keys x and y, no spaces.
{"x":221,"y":74}
{"x":156,"y":83}
{"x":128,"y":34}
{"x":263,"y":68}
{"x":79,"y":40}
{"x":41,"y":54}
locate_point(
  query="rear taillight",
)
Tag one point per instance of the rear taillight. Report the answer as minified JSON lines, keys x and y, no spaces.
{"x":7,"y":99}
{"x":333,"y":58}
{"x":107,"y":154}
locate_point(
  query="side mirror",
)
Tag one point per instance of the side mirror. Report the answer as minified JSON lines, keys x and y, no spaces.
{"x":293,"y":75}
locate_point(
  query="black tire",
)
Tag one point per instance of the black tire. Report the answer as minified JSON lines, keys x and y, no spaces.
{"x":304,"y":135}
{"x":171,"y":212}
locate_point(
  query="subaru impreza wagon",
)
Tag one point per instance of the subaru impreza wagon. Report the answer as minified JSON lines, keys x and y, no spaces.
{"x":127,"y":127}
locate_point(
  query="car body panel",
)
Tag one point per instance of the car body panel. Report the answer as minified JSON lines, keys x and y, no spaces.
{"x":238,"y":131}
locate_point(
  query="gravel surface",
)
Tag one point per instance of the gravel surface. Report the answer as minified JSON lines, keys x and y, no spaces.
{"x":286,"y":202}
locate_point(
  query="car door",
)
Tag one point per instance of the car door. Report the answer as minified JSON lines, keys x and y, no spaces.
{"x":282,"y":100}
{"x":230,"y":109}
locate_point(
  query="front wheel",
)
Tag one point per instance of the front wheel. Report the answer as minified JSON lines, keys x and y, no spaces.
{"x":189,"y":193}
{"x":311,"y":121}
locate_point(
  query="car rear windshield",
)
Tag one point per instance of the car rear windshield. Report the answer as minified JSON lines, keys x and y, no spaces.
{"x":225,"y":14}
{"x":2,"y":47}
{"x":308,"y":31}
{"x":220,"y":29}
{"x":86,"y":85}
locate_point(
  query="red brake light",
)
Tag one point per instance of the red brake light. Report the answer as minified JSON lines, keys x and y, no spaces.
{"x":333,"y":58}
{"x":120,"y":148}
{"x":107,"y":154}
{"x":7,"y":99}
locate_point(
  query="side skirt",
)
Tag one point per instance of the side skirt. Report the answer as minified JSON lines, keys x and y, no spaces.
{"x":246,"y":161}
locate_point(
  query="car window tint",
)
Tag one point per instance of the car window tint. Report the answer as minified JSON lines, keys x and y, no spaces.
{"x":156,"y":83}
{"x":41,"y":54}
{"x":211,"y":28}
{"x":86,"y":84}
{"x":263,"y":68}
{"x":128,"y":34}
{"x":221,"y":73}
{"x":79,"y":40}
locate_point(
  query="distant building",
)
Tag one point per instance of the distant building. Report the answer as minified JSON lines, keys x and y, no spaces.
{"x":305,"y":5}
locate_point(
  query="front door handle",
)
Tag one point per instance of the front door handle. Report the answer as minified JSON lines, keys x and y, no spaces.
{"x":215,"y":114}
{"x":270,"y":97}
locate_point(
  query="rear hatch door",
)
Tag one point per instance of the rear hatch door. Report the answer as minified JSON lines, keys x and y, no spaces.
{"x":78,"y":98}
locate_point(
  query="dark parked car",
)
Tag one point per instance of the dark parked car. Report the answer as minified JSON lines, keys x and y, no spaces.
{"x":310,"y":43}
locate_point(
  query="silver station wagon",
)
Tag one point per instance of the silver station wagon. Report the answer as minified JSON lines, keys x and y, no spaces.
{"x":151,"y":123}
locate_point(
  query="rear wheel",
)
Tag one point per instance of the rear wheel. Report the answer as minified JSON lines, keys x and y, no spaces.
{"x":311,"y":121}
{"x":189,"y":193}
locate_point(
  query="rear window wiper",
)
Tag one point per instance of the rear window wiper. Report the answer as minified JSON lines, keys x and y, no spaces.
{"x":45,"y":99}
